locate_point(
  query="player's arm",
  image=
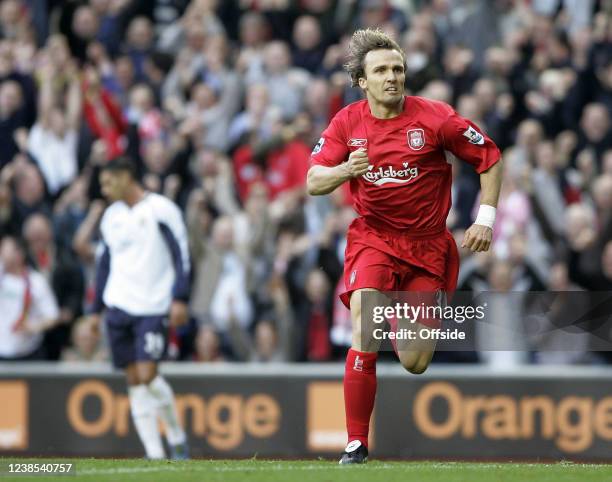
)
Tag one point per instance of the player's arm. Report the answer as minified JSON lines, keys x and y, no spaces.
{"x":479,"y":235}
{"x":102,"y":272}
{"x":174,"y":232}
{"x":331,"y":162}
{"x":464,"y":139}
{"x":323,"y":180}
{"x":101,"y":277}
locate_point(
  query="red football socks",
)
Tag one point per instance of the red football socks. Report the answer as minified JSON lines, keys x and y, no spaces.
{"x":359,"y":393}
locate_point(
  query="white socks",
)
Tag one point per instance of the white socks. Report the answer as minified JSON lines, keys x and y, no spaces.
{"x":148,"y":402}
{"x":166,"y":410}
{"x":144,"y":413}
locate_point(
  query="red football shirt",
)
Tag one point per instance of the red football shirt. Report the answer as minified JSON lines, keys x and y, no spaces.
{"x":408,"y":186}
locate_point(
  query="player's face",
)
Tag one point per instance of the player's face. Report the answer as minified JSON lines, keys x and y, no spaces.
{"x":384,"y":76}
{"x":114,"y":185}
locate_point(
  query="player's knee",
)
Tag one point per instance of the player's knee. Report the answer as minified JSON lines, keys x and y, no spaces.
{"x":146,"y":372}
{"x":414,"y":362}
{"x":146,"y":379}
{"x":415,"y":368}
{"x":418,"y":368}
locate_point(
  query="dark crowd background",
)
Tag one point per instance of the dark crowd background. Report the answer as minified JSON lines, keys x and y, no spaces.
{"x":220,"y":103}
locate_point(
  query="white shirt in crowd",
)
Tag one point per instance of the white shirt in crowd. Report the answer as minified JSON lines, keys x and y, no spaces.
{"x":231,"y":297}
{"x":147,"y":244}
{"x":56,"y":156}
{"x":43,"y":307}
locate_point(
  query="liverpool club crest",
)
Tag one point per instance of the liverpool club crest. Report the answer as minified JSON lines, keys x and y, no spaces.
{"x":416,"y":139}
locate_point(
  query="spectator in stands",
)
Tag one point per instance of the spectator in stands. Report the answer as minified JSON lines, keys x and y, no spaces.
{"x":309,"y":48}
{"x":420,"y":46}
{"x":266,"y":343}
{"x":110,"y":21}
{"x":12,"y":120}
{"x":590,"y":265}
{"x":197,"y":23}
{"x":556,"y":337}
{"x":281,"y":161}
{"x":514,"y":208}
{"x":61,"y":272}
{"x":87,"y":345}
{"x":103,"y":115}
{"x":29,"y":194}
{"x":205,"y":109}
{"x":85,"y":27}
{"x":286,"y":84}
{"x":53,"y":138}
{"x":595,"y":132}
{"x":548,"y":194}
{"x":27,"y":305}
{"x":320,"y":104}
{"x":139,"y":44}
{"x":501,"y":337}
{"x":13,"y":19}
{"x":220,"y":281}
{"x":208,"y":345}
{"x":314,"y":317}
{"x":143,"y":115}
{"x":255,"y":119}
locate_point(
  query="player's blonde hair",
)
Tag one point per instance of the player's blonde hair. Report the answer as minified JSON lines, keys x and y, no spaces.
{"x":362,"y":42}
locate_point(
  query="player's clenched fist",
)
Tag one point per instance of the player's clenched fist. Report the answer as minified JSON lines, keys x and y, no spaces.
{"x":358,"y":163}
{"x":477,"y":238}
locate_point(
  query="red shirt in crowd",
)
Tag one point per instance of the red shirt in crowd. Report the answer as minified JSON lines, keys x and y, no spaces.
{"x":105,"y":120}
{"x":285,"y":169}
{"x":408,"y":186}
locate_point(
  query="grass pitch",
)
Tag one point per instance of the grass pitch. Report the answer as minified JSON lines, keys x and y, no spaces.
{"x":131,"y":470}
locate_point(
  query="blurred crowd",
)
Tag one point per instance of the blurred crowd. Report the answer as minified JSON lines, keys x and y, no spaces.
{"x":220,"y":103}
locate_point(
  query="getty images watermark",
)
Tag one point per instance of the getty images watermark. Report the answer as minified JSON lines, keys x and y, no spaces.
{"x":519,"y":321}
{"x":423,"y":321}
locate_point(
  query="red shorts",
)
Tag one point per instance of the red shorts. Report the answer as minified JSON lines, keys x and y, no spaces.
{"x":395,"y":261}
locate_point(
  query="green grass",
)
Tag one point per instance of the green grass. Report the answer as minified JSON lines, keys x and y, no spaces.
{"x":128,"y":470}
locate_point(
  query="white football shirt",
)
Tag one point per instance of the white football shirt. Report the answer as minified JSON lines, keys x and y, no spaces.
{"x":145,"y":264}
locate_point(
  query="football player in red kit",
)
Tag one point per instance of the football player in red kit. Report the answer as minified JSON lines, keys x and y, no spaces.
{"x":394,"y":150}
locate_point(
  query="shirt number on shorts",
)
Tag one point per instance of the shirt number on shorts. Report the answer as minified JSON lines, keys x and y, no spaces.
{"x":154,"y":344}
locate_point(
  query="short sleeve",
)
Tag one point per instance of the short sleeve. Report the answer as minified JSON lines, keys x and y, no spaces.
{"x":331,"y":149}
{"x":466,"y":141}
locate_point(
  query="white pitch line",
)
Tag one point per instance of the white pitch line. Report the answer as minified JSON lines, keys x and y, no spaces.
{"x":192,"y":468}
{"x":279,"y":468}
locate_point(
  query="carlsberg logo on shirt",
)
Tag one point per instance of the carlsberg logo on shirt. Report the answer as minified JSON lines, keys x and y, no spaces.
{"x":384,"y":175}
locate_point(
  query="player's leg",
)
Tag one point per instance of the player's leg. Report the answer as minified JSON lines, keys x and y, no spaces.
{"x":120,"y":328}
{"x":360,"y":373}
{"x":152,"y":342}
{"x":374,"y":275}
{"x":131,"y":375}
{"x":144,"y":413}
{"x":426,"y":290}
{"x":367,"y":271}
{"x":359,"y":383}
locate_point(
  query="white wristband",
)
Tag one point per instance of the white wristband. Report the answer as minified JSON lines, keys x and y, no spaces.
{"x":486,"y":216}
